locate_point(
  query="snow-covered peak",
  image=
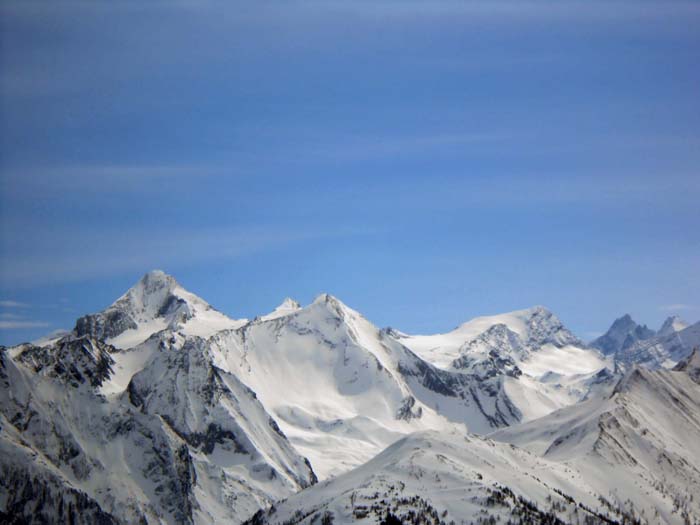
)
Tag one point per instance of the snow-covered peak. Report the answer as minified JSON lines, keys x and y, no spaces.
{"x":148,"y":296}
{"x":672,"y":325}
{"x":531,"y":328}
{"x":289,"y":304}
{"x":288,"y":307}
{"x":535,"y":326}
{"x":332,"y":304}
{"x":156,"y":302}
{"x":326,"y":298}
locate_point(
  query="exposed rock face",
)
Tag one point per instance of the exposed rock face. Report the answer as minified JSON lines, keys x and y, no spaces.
{"x":691,"y":365}
{"x":496,"y":343}
{"x":105,"y":325}
{"x":543,"y":327}
{"x":622,"y":334}
{"x":662,"y":351}
{"x":37,"y":496}
{"x":406,"y":411}
{"x":72,"y":360}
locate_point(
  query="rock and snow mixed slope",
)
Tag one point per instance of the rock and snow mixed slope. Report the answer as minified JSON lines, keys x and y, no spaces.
{"x":629,"y":343}
{"x":220,"y":397}
{"x":620,"y":459}
{"x":153,"y":433}
{"x":639,"y":447}
{"x":671,"y":325}
{"x":161,"y":409}
{"x":157,"y":302}
{"x":544,"y":366}
{"x":342,"y":390}
{"x":186,"y":443}
{"x":440,"y":478}
{"x":662,"y":351}
{"x":622,"y":334}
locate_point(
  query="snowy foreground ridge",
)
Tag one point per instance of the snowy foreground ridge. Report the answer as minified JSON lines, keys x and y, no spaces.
{"x":161,"y":409}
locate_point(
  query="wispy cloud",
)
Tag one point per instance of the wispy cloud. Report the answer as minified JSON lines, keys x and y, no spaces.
{"x":7,"y":303}
{"x":15,"y":325}
{"x":676,"y":307}
{"x":101,"y":253}
{"x":41,"y":181}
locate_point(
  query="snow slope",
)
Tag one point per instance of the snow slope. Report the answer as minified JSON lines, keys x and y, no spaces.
{"x":338,"y":387}
{"x":530,"y":329}
{"x":631,"y":457}
{"x":186,"y":443}
{"x":554,"y":368}
{"x":342,"y":390}
{"x":640,"y":445}
{"x":661,"y":351}
{"x":440,"y":478}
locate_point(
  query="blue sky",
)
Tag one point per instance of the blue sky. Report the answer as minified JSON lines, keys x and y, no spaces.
{"x":426,"y":162}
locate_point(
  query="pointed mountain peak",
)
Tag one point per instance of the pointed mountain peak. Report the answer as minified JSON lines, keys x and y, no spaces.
{"x":536,"y":326}
{"x":334,"y":305}
{"x":157,"y":279}
{"x":328,"y":299}
{"x":544,"y":327}
{"x":156,"y":295}
{"x":623,"y":322}
{"x":322,"y":298}
{"x":622,"y":334}
{"x":538,"y":309}
{"x":671,"y":325}
{"x":156,"y":302}
{"x":287,"y":307}
{"x":155,"y":284}
{"x":289,"y":304}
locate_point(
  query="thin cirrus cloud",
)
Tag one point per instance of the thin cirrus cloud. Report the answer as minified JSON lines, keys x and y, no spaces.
{"x":100,"y":254}
{"x":8,"y":303}
{"x":17,"y":325}
{"x":676,"y":307}
{"x":15,"y":321}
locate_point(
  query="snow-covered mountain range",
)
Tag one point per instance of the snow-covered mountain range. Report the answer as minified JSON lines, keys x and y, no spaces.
{"x":161,"y":409}
{"x":628,"y":457}
{"x":628,"y":343}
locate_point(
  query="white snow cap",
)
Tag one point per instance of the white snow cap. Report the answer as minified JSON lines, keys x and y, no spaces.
{"x":287,"y":307}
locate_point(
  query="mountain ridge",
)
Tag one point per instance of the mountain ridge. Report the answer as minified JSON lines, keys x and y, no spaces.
{"x":210,"y":419}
